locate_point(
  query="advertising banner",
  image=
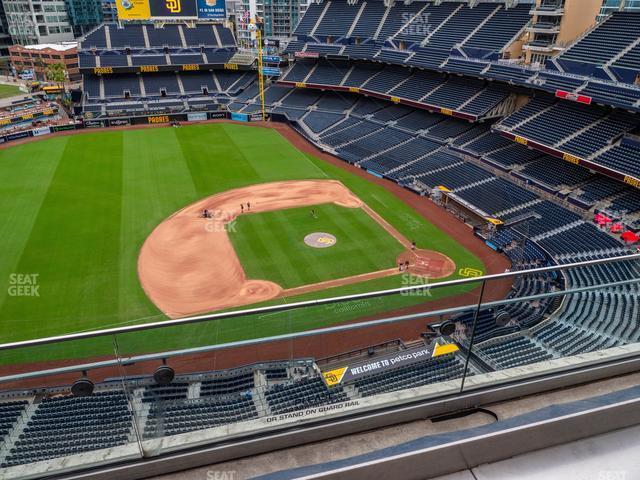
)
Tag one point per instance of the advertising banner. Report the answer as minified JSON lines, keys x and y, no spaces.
{"x":574,"y":97}
{"x":41,"y":131}
{"x":271,"y":71}
{"x":61,"y":128}
{"x":256,"y":117}
{"x":173,"y":8}
{"x":217,"y":115}
{"x":383,"y":363}
{"x":240,"y":117}
{"x":212,"y":9}
{"x":196,"y":116}
{"x":93,"y":124}
{"x":119,"y":122}
{"x":133,"y":9}
{"x":18,"y":135}
{"x":271,"y":59}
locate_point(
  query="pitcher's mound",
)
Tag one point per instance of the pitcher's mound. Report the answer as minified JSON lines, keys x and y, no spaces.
{"x":320,"y":240}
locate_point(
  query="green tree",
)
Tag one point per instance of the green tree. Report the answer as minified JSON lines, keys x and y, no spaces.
{"x":56,"y":72}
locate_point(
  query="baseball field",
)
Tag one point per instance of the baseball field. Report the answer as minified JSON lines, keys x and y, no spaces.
{"x":104,"y":229}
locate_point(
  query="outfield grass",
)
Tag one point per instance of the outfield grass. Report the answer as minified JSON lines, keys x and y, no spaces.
{"x":271,"y":245}
{"x":9,"y":91}
{"x":77,"y":209}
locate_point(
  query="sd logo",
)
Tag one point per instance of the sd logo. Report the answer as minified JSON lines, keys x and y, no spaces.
{"x":173,"y":6}
{"x":326,"y":240}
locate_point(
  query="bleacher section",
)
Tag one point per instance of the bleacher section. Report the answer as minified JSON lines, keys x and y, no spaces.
{"x":146,"y":69}
{"x":470,"y":97}
{"x":419,"y":33}
{"x":589,"y":133}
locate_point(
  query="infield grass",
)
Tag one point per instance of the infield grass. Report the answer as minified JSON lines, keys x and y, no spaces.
{"x":76,"y":210}
{"x":271,"y":246}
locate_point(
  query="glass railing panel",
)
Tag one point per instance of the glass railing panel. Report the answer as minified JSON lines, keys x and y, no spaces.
{"x":60,"y":415}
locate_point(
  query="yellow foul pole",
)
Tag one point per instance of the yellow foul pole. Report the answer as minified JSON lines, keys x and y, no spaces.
{"x":260,"y":75}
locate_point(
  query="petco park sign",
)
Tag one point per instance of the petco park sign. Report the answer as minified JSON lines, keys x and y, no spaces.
{"x":391,"y":361}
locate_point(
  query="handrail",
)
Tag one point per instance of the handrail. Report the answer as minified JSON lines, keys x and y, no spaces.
{"x":325,"y":301}
{"x":145,"y":357}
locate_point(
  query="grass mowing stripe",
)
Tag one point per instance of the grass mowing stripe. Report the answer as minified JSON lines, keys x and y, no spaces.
{"x":158,"y":169}
{"x":25,"y":184}
{"x":74,"y":245}
{"x":274,"y":245}
{"x":145,"y":204}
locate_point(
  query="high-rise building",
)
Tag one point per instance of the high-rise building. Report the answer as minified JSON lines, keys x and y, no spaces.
{"x":84,"y":15}
{"x":5,"y":38}
{"x":280,"y":18}
{"x":109,"y":11}
{"x":36,"y":21}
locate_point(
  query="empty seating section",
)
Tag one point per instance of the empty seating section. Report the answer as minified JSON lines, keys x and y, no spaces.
{"x":241,"y":382}
{"x":195,"y":82}
{"x":386,"y":80}
{"x":581,"y":239}
{"x":497,"y":196}
{"x":416,"y":33}
{"x":169,"y":36}
{"x":418,"y":85}
{"x":616,"y":94}
{"x":600,"y":134}
{"x":516,"y":352}
{"x":424,"y":373}
{"x":423,"y":24}
{"x":299,"y":72}
{"x":455,"y":92}
{"x":369,"y":20}
{"x":200,"y":35}
{"x":502,"y":27}
{"x":512,"y":155}
{"x":372,"y":144}
{"x":67,"y":425}
{"x":302,"y":394}
{"x":329,"y":73}
{"x":464,"y":94}
{"x":197,"y":414}
{"x":9,"y":414}
{"x":397,"y":157}
{"x":173,"y":391}
{"x":398,"y":17}
{"x":465,"y":21}
{"x":628,"y":202}
{"x":624,"y":158}
{"x":458,"y":176}
{"x":167,"y":82}
{"x":553,"y":172}
{"x":138,"y":45}
{"x":557,"y":122}
{"x":599,"y":189}
{"x":338,"y":19}
{"x":127,"y":36}
{"x":317,"y":122}
{"x":605,"y":41}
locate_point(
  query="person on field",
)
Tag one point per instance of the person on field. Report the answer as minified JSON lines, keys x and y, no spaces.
{"x":248,"y":206}
{"x":242,"y":208}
